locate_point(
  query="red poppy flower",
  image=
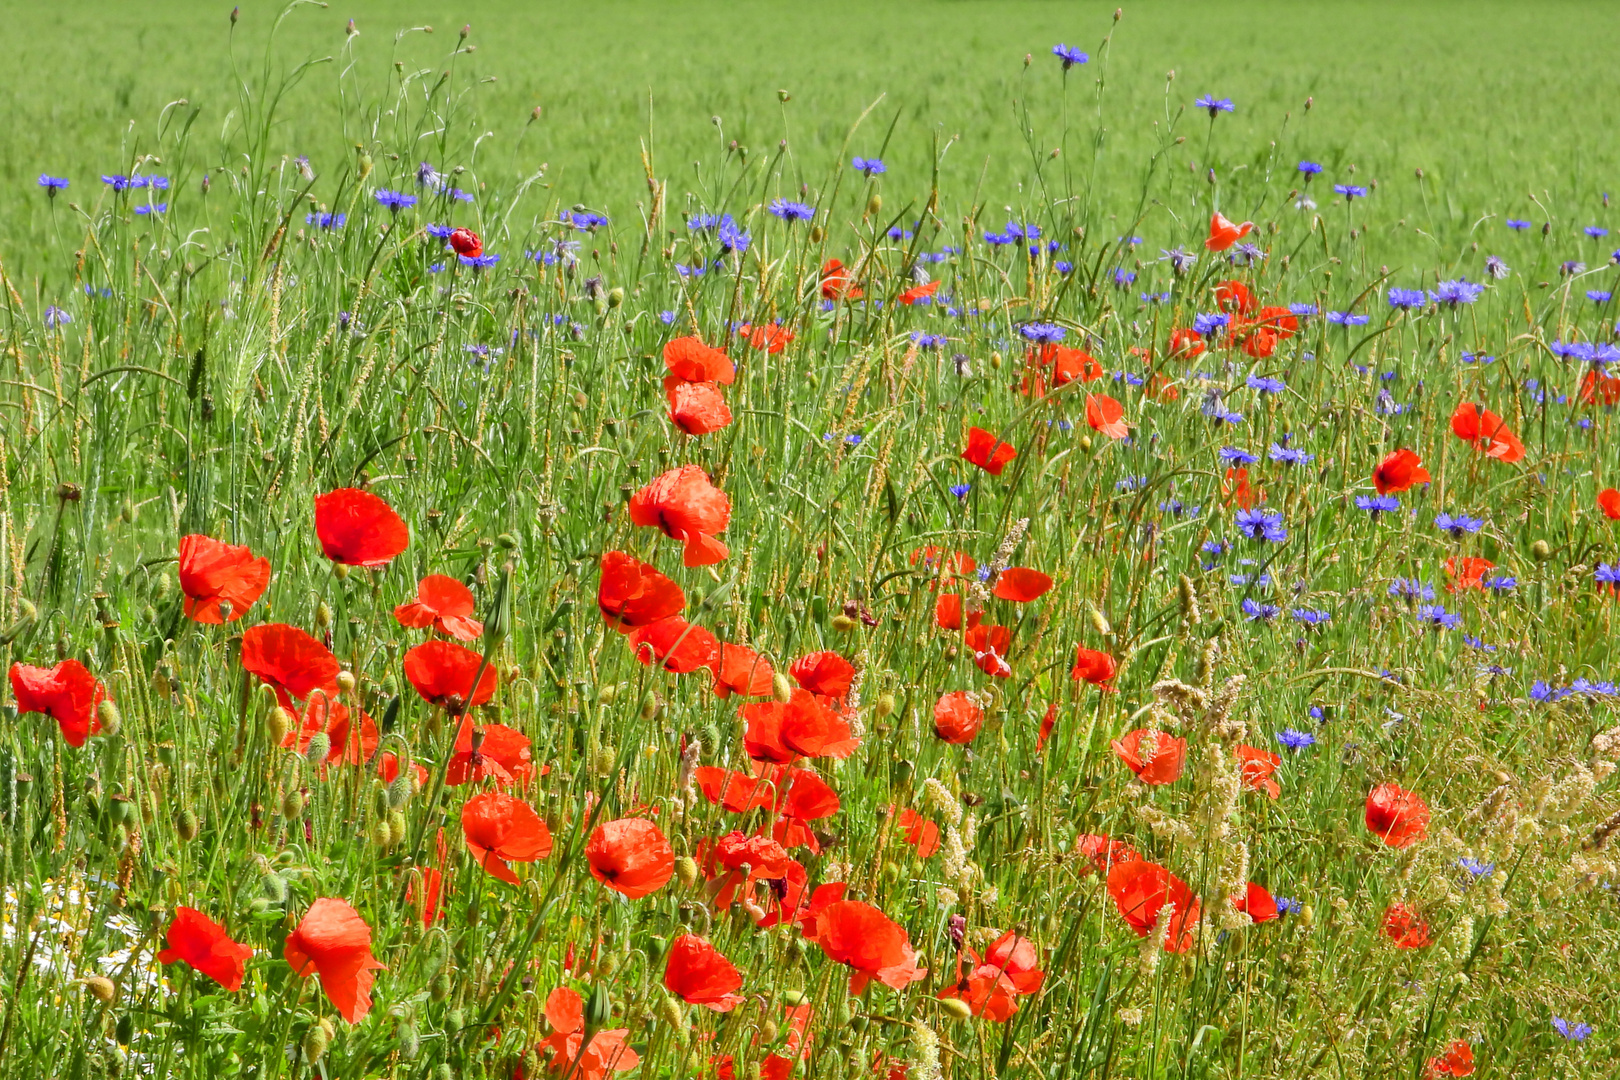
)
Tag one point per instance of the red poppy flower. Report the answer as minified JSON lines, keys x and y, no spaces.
{"x":1280,"y":321}
{"x":1106,"y":415}
{"x":698,"y":408}
{"x":990,"y":645}
{"x":689,"y":360}
{"x":1259,"y":342}
{"x":1235,"y":489}
{"x":432,"y":888}
{"x":1104,"y":852}
{"x":67,"y":693}
{"x":334,"y":942}
{"x":574,"y":1058}
{"x":221,"y":581}
{"x":443,"y":674}
{"x":1608,"y":501}
{"x":489,"y":751}
{"x":1096,"y":668}
{"x":804,"y":795}
{"x":1234,"y":297}
{"x":1595,"y":385}
{"x":1399,"y":471}
{"x":676,"y":644}
{"x":699,"y":974}
{"x":289,"y":661}
{"x":1156,"y":757}
{"x":1398,"y":817}
{"x":686,"y":507}
{"x":501,"y":830}
{"x":388,"y":769}
{"x":203,"y":943}
{"x":772,"y":337}
{"x":917,"y":831}
{"x":741,"y":670}
{"x":1256,"y":903}
{"x":851,"y":932}
{"x":917,"y":292}
{"x":444,"y":604}
{"x":948,"y":612}
{"x":1142,"y":890}
{"x":465,"y":242}
{"x":1048,"y":722}
{"x":1458,"y":1060}
{"x":1405,"y":927}
{"x":630,"y":856}
{"x":1487,"y":431}
{"x":823,"y":673}
{"x":1223,"y":233}
{"x":985,"y":451}
{"x":836,"y":283}
{"x":349,"y":744}
{"x":1186,"y":344}
{"x":991,"y":987}
{"x":956,"y":718}
{"x":1020,"y":584}
{"x":779,"y":733}
{"x":933,"y":557}
{"x":735,"y":791}
{"x":633,"y":593}
{"x":1258,"y":768}
{"x":736,"y":861}
{"x":357,"y":528}
{"x":1466,"y":573}
{"x":1067,"y":364}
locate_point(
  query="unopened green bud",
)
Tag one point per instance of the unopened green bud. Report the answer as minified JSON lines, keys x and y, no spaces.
{"x":1541,"y":551}
{"x":111,"y":719}
{"x":686,"y":869}
{"x":396,"y":828}
{"x":885,"y":705}
{"x":320,"y":744}
{"x":317,"y":1039}
{"x":781,"y":689}
{"x":955,"y":1008}
{"x":186,"y":825}
{"x":292,"y":805}
{"x":323,"y":614}
{"x":649,"y":705}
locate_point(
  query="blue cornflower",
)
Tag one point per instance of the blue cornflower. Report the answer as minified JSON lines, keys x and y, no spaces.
{"x":691,"y":271}
{"x":1296,"y":740}
{"x":1517,"y":224}
{"x":1063,"y":266}
{"x":1607,"y":574}
{"x":1262,"y":525}
{"x":55,"y":316}
{"x":701,"y":222}
{"x":1069,"y":56}
{"x":1472,"y":358}
{"x":479,"y":262}
{"x":1461,"y":291}
{"x":1214,"y":547}
{"x":1573,"y":1032}
{"x":1155,"y":298}
{"x":584,"y":220}
{"x":1208,"y":324}
{"x":1477,"y":643}
{"x":1266,"y":384}
{"x":1347,"y":318}
{"x":1180,"y":260}
{"x":1501,"y":583}
{"x":152,"y":208}
{"x":791,"y":211}
{"x":1254,"y":611}
{"x":1475,"y":867}
{"x":394,"y":200}
{"x":1123,"y":277}
{"x":897,"y":233}
{"x":1232,"y":455}
{"x":1438,"y":617}
{"x":928,"y":341}
{"x":1303,"y":311}
{"x":870,"y":166}
{"x":1411,"y":588}
{"x":1599,"y":296}
{"x":326,"y":221}
{"x":1596,"y":232}
{"x":1042,"y":333}
{"x":438,"y":232}
{"x":1310,"y":169}
{"x":960,"y":490}
{"x":117,"y":181}
{"x":1288,"y":906}
{"x":1215,"y":104}
{"x":1289,"y":455}
{"x":161,"y":183}
{"x":1351,"y":192}
{"x":1458,"y":525}
{"x":1315,"y":713}
{"x":1310,"y":617}
{"x":436,"y":268}
{"x":52,"y":184}
{"x":1377,"y":504}
{"x":732,"y":237}
{"x":428,"y":176}
{"x":667,"y":318}
{"x":1406,"y":298}
{"x":854,"y":440}
{"x":466,"y":196}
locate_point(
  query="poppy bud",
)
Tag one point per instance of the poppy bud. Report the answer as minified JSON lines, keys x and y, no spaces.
{"x":874,"y":204}
{"x":317,"y":1039}
{"x":885,"y":705}
{"x":649,"y":705}
{"x":323,"y":614}
{"x":274,"y":887}
{"x":844,"y":624}
{"x":686,"y":868}
{"x":615,"y":296}
{"x":781,"y":688}
{"x":346,"y":682}
{"x":599,"y":1010}
{"x":1541,"y":551}
{"x":402,"y":787}
{"x":320,"y":744}
{"x":768,"y":1031}
{"x":101,"y":988}
{"x":365,"y":166}
{"x":124,"y":1032}
{"x":1085,"y":443}
{"x":277,"y":724}
{"x":816,"y":234}
{"x":1307,"y":916}
{"x":955,"y":1008}
{"x":499,"y":621}
{"x":603,"y":760}
{"x":1098,"y":620}
{"x":26,"y":614}
{"x":186,"y":825}
{"x":111,"y":719}
{"x":381,"y":834}
{"x":292,"y":804}
{"x":671,"y":1012}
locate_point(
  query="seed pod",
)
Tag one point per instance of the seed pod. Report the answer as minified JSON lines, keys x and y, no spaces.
{"x":186,"y":824}
{"x":101,"y":988}
{"x":346,"y":682}
{"x":844,"y":624}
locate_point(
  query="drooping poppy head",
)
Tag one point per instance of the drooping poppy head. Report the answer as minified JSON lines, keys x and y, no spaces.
{"x":501,"y":830}
{"x":443,"y":672}
{"x":1458,"y":1060}
{"x":1487,"y":432}
{"x":956,"y":718}
{"x":443,"y":603}
{"x":1398,"y":471}
{"x":356,"y":528}
{"x":989,"y":645}
{"x":836,"y":283}
{"x":466,"y":243}
{"x":1223,"y":233}
{"x":1256,"y":903}
{"x":1142,"y":890}
{"x":1156,"y":757}
{"x":987,"y":452}
{"x":1020,"y":584}
{"x":1398,"y":817}
{"x":823,"y":673}
{"x":699,"y":974}
{"x":67,"y":693}
{"x":780,"y":733}
{"x":1259,"y":767}
{"x":686,"y":507}
{"x":633,"y":593}
{"x":1234,"y":298}
{"x":630,"y":856}
{"x":334,"y":942}
{"x":692,"y":361}
{"x":289,"y":661}
{"x":201,"y":942}
{"x":1107,"y":416}
{"x":489,"y":752}
{"x":740,"y":670}
{"x":1094,"y":667}
{"x":1608,"y":501}
{"x":221,"y":581}
{"x":1405,"y":927}
{"x":858,"y":934}
{"x":698,"y":408}
{"x":676,"y":644}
